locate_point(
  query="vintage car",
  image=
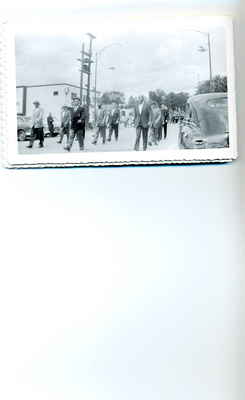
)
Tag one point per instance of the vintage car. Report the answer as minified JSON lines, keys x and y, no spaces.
{"x":205,"y":125}
{"x":23,"y":127}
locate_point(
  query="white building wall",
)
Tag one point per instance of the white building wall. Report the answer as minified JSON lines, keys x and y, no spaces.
{"x":51,"y":99}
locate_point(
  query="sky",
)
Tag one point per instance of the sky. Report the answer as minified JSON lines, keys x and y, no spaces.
{"x":142,"y":54}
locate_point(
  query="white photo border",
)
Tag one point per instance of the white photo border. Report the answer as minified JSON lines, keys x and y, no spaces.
{"x":11,"y":158}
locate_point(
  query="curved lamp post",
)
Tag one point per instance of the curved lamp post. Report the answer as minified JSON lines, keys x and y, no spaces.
{"x":202,"y":49}
{"x":97,"y":56}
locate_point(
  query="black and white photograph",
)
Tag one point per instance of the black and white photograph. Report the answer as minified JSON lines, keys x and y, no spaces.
{"x":99,"y":92}
{"x":122,"y":158}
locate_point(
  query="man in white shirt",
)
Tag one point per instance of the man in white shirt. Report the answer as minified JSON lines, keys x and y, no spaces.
{"x":37,"y":125}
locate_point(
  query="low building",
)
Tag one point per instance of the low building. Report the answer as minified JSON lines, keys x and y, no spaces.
{"x":51,"y":97}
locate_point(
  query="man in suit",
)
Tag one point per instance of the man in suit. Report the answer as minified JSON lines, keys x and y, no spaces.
{"x":101,"y":124}
{"x":156,"y":121}
{"x":65,"y":124}
{"x":50,"y":122}
{"x":114,"y":119}
{"x":37,"y":125}
{"x":78,"y":119}
{"x":165,"y":120}
{"x":142,"y":122}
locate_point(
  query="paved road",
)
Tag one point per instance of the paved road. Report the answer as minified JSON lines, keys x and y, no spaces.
{"x":125,"y":143}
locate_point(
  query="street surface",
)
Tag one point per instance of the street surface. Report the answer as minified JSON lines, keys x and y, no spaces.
{"x":125,"y":143}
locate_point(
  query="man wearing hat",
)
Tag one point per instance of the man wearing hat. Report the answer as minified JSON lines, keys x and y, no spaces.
{"x":78,"y":119}
{"x":37,"y":125}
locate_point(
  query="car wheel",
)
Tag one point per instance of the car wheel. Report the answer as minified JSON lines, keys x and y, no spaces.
{"x":21,"y":135}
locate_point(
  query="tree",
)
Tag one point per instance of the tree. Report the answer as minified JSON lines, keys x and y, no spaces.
{"x":218,"y":84}
{"x":132,"y":101}
{"x":113,"y":96}
{"x":176,"y":100}
{"x":157,"y":95}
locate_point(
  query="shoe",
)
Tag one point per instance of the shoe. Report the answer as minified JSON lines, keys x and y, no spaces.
{"x":81,"y":148}
{"x":150,"y":144}
{"x":94,"y":142}
{"x":29,"y":147}
{"x":108,"y":140}
{"x":67,"y":148}
{"x":59,"y":142}
{"x":40,"y":145}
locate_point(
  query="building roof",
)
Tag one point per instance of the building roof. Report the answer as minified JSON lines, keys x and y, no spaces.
{"x":50,"y":84}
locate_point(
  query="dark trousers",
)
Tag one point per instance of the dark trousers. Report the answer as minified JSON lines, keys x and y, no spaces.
{"x":159,"y":133}
{"x":165,"y":129}
{"x":37,"y":134}
{"x":140,"y":130}
{"x":51,"y":128}
{"x":101,"y":131}
{"x":65,"y":130}
{"x":80,"y":134}
{"x":113,"y":128}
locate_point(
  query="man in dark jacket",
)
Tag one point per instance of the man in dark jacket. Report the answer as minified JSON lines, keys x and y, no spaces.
{"x":142,"y":122}
{"x":165,"y":120}
{"x":50,"y":122}
{"x":78,"y":118}
{"x":114,"y":118}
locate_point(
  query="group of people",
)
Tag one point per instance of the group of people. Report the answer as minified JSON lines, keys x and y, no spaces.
{"x":150,"y":117}
{"x":106,"y":119}
{"x":150,"y":121}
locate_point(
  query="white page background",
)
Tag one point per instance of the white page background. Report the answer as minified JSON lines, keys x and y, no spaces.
{"x":125,"y":283}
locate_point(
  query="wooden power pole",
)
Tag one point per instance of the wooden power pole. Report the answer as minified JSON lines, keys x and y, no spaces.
{"x":85,"y":72}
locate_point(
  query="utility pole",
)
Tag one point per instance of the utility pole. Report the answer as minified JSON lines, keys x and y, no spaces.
{"x":86,"y":61}
{"x":95,"y":86}
{"x":89,"y":62}
{"x":81,"y":73}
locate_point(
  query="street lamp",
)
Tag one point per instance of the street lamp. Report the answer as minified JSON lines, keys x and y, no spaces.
{"x":202,"y":49}
{"x":97,"y":55}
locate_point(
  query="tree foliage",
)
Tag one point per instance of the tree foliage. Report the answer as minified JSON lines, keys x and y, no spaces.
{"x":176,"y":100}
{"x":171,"y":100}
{"x":113,"y":96}
{"x":218,"y":84}
{"x":157,"y":95}
{"x":132,"y":101}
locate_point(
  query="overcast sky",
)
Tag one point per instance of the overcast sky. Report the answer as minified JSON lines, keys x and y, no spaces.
{"x":146,"y":56}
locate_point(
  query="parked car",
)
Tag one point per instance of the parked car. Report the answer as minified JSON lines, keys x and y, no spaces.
{"x":206,"y":122}
{"x":23,"y":127}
